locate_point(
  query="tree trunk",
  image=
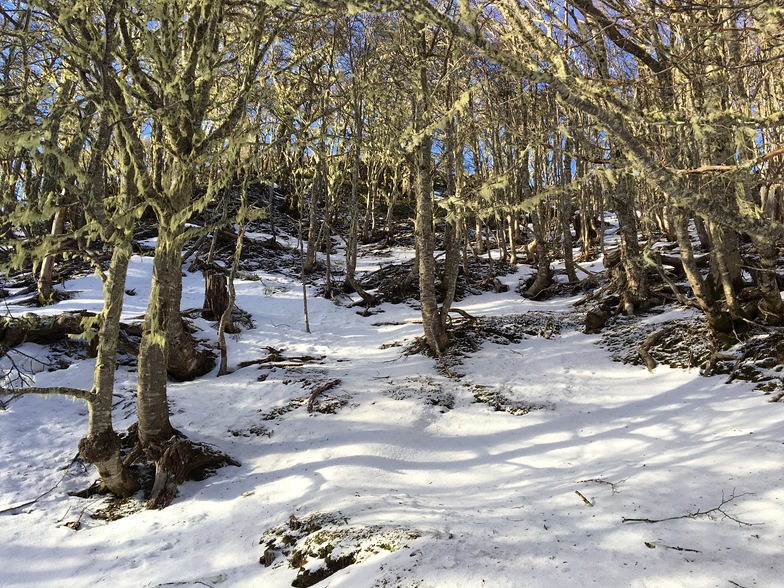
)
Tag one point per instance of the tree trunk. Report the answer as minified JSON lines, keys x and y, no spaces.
{"x":726,"y":266}
{"x":226,"y":324}
{"x":565,"y":213}
{"x":101,"y":446}
{"x":309,"y":264}
{"x":163,"y":312}
{"x":452,"y":236}
{"x":514,"y":230}
{"x":544,"y":275}
{"x":435,"y":331}
{"x":719,"y":320}
{"x":771,"y":308}
{"x":636,"y":288}
{"x":350,"y":283}
{"x":45,"y":285}
{"x":702,"y":232}
{"x":568,"y":245}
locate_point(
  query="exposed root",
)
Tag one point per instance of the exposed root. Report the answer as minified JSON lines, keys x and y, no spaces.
{"x":650,"y":341}
{"x":177,"y":460}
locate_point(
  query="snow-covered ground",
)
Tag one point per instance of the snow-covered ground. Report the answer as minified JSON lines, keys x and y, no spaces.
{"x":458,"y":493}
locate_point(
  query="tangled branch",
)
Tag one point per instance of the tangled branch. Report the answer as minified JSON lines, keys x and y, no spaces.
{"x":710,"y":513}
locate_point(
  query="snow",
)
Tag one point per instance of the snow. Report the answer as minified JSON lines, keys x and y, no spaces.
{"x":472,"y":496}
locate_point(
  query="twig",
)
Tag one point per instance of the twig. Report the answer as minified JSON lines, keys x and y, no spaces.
{"x":699,"y":513}
{"x":585,"y":500}
{"x":11,"y":509}
{"x":703,"y":169}
{"x":320,"y":390}
{"x":612,"y":485}
{"x":652,"y":545}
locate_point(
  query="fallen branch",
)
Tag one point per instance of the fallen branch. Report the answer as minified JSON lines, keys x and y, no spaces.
{"x":734,"y":373}
{"x":677,"y":293}
{"x":714,"y":359}
{"x":464,"y":314}
{"x":320,"y":390}
{"x":194,"y":248}
{"x":699,"y":513}
{"x":277,"y":359}
{"x":595,"y":295}
{"x":588,"y":273}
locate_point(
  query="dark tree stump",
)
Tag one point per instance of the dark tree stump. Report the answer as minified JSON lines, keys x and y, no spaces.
{"x":216,"y":296}
{"x":187,"y":359}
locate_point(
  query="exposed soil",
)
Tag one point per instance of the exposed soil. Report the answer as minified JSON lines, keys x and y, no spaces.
{"x":320,"y":544}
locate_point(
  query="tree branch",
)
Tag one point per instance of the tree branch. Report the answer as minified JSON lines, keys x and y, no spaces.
{"x":79,"y":393}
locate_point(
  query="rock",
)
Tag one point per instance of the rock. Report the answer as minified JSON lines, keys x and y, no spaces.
{"x":595,"y":319}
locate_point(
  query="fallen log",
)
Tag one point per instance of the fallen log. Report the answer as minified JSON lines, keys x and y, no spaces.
{"x":50,"y":329}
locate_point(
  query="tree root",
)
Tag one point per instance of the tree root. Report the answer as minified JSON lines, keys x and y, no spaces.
{"x":649,"y":342}
{"x":178,"y":460}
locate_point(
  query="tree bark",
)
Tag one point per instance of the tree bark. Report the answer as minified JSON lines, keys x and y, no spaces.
{"x":101,"y":446}
{"x":45,"y":283}
{"x":636,"y":290}
{"x":163,"y":311}
{"x":719,"y":320}
{"x":544,"y":275}
{"x":435,"y":332}
{"x":770,"y":308}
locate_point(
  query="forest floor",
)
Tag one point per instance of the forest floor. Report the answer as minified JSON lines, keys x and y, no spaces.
{"x":534,"y":455}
